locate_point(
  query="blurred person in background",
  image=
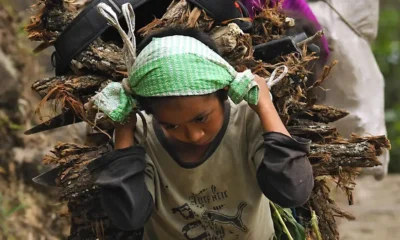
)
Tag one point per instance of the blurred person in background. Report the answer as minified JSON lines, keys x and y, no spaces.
{"x":356,"y":84}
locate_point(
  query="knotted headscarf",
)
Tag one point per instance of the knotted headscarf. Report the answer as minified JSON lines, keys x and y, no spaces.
{"x":173,"y":66}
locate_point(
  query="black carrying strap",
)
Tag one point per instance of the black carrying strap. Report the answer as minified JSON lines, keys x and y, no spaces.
{"x":83,"y":30}
{"x":222,"y":10}
{"x":89,"y":25}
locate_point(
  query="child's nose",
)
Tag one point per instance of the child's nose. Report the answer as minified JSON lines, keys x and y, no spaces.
{"x":194,"y":134}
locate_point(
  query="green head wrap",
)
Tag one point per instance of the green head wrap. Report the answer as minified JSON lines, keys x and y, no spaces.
{"x":175,"y":66}
{"x":168,"y":66}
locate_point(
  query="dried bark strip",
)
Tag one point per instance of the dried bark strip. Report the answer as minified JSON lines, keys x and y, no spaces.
{"x":82,"y":85}
{"x":179,"y":12}
{"x":344,"y":155}
{"x":380,"y":143}
{"x":232,"y":43}
{"x":87,"y":215}
{"x":321,"y":113}
{"x":320,"y":203}
{"x":103,"y":59}
{"x":315,"y":131}
{"x":49,"y":22}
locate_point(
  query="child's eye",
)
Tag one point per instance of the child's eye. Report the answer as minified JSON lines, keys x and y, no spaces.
{"x":201,"y":119}
{"x":170,"y":127}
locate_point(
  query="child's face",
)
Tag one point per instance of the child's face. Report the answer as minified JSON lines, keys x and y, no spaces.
{"x":194,"y":120}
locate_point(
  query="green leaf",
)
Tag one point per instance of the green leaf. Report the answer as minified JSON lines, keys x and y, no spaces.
{"x":283,"y":219}
{"x":14,"y":210}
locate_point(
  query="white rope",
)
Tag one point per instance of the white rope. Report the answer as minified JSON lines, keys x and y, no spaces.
{"x":129,"y":15}
{"x":130,"y":19}
{"x":129,"y":49}
{"x":272,"y":80}
{"x":109,"y":14}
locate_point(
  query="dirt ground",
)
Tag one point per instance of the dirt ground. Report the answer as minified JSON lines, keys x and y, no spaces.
{"x":377,"y":209}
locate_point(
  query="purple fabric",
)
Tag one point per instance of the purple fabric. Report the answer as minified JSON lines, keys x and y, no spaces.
{"x":253,"y":6}
{"x":296,"y":5}
{"x":300,"y":6}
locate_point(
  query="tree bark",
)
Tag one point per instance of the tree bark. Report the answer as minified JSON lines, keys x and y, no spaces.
{"x":315,"y":131}
{"x":77,"y":85}
{"x":101,"y":61}
{"x":320,"y":203}
{"x":332,"y":159}
{"x":88,"y":219}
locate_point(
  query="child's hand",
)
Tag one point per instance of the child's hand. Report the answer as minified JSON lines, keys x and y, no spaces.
{"x":264,"y":101}
{"x":124,"y":136}
{"x":266,"y":111}
{"x":130,"y":125}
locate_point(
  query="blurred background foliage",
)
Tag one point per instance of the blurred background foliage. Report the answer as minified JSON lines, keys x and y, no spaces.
{"x":387,"y":52}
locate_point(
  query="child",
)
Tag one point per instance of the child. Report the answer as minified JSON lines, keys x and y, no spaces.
{"x":210,"y":162}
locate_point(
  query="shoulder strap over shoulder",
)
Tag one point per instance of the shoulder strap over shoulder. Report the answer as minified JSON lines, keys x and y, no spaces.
{"x":83,"y":30}
{"x":89,"y":25}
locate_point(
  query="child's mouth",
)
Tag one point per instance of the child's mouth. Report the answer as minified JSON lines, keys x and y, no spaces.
{"x":203,"y":142}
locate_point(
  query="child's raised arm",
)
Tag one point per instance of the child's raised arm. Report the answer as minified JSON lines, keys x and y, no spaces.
{"x":124,"y":137}
{"x":265,"y":109}
{"x":284,"y":172}
{"x":121,"y":178}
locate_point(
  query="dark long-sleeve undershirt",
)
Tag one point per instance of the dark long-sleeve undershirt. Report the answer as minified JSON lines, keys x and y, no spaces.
{"x":284,"y":176}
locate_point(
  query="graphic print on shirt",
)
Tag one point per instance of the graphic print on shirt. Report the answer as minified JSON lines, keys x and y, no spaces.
{"x":210,"y":224}
{"x":185,"y":211}
{"x":225,"y":219}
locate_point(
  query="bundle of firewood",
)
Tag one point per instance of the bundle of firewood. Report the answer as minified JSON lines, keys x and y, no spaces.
{"x":333,"y":158}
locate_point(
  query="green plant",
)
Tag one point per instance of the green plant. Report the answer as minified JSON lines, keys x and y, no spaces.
{"x":387,"y":52}
{"x":6,"y":213}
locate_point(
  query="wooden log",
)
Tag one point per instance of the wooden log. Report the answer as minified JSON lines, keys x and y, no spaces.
{"x":102,"y":59}
{"x":292,"y":110}
{"x":380,"y":143}
{"x":316,"y":113}
{"x":315,"y":131}
{"x":233,"y":44}
{"x":338,"y":152}
{"x":79,"y":86}
{"x":51,"y":19}
{"x":180,"y":12}
{"x":88,"y":219}
{"x":324,"y":114}
{"x":332,"y":159}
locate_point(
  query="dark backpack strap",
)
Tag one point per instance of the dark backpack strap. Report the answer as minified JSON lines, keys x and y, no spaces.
{"x":89,"y":25}
{"x":222,"y":10}
{"x":83,"y":30}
